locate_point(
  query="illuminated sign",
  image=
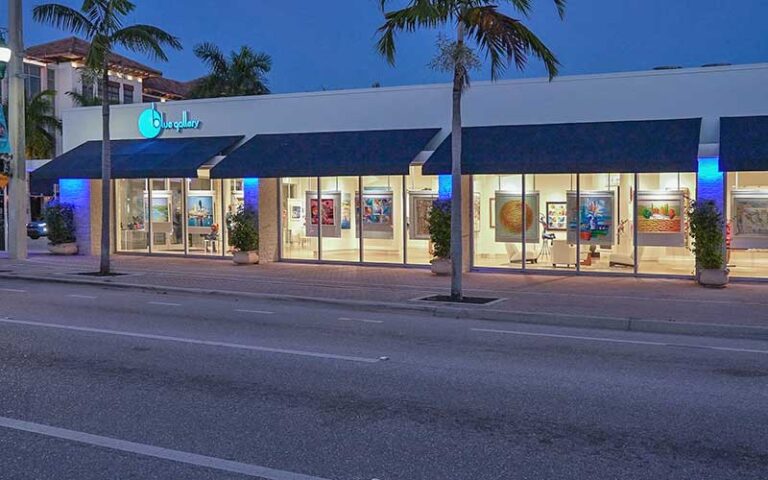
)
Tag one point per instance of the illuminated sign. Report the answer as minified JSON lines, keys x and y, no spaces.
{"x":152,"y":123}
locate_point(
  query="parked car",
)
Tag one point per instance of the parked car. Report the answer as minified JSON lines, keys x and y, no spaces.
{"x":37,"y":229}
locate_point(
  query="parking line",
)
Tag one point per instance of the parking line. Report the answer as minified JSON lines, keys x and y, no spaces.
{"x":165,"y":304}
{"x":88,"y":297}
{"x":194,"y":341}
{"x":618,"y":340}
{"x":364,"y":320}
{"x":12,"y":290}
{"x":262,"y":312}
{"x":153,"y":451}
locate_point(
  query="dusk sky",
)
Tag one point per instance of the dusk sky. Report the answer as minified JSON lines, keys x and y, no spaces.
{"x":330,"y":43}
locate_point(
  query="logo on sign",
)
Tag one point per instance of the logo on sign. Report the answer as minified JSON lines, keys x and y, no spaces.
{"x":152,"y":123}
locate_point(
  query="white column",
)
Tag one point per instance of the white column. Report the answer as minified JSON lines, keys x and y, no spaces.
{"x":18,"y":189}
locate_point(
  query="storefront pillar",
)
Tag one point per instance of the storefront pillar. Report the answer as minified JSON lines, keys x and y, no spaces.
{"x":711,"y":182}
{"x":85,"y":196}
{"x":264,"y":200}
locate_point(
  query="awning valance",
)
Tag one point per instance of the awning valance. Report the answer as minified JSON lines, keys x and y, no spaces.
{"x":371,"y":152}
{"x":157,"y":158}
{"x":604,"y":147}
{"x":744,"y":143}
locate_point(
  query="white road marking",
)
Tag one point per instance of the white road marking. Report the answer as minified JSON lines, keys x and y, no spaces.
{"x":618,"y":340}
{"x":193,"y":341}
{"x":88,"y":297}
{"x":165,"y":304}
{"x":262,"y":312}
{"x":153,"y":451}
{"x":364,"y":320}
{"x":12,"y":290}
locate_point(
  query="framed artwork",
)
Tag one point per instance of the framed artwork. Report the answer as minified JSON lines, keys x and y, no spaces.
{"x":476,"y":211}
{"x":376,"y":215}
{"x":660,"y":218}
{"x":510,"y":216}
{"x":323,"y":212}
{"x":296,"y":212}
{"x":749,"y":219}
{"x":593,"y":216}
{"x":346,"y":211}
{"x":420,"y":206}
{"x":557,"y":215}
{"x":200,"y":211}
{"x":161,"y":210}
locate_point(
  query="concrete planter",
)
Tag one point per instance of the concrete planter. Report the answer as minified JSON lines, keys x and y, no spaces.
{"x":246,"y":258}
{"x":441,"y":266}
{"x":63,"y":249}
{"x":713,"y":278}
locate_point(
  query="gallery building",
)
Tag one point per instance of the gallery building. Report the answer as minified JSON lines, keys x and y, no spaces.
{"x":585,"y":174}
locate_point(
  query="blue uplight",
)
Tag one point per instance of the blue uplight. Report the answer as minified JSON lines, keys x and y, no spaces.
{"x":710,"y":185}
{"x":251,"y":193}
{"x":445,"y":187}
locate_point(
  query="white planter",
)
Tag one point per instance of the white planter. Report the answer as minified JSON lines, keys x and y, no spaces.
{"x":713,"y":278}
{"x":63,"y":249}
{"x":246,"y":258}
{"x":441,"y":266}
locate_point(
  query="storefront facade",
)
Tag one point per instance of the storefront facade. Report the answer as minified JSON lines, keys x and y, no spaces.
{"x":583,"y":174}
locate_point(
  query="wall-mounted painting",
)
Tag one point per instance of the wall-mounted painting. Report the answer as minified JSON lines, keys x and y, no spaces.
{"x":377,"y":215}
{"x":420,"y":206}
{"x":660,"y":218}
{"x":749,"y":219}
{"x":593,"y":216}
{"x":325,"y":212}
{"x":346,"y":211}
{"x":557,"y":215}
{"x":511,"y":220}
{"x":200,"y":211}
{"x":161,"y":210}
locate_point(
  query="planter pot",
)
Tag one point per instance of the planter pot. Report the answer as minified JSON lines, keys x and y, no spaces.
{"x":441,"y":266}
{"x":713,"y":278}
{"x":245,"y":258}
{"x":63,"y":249}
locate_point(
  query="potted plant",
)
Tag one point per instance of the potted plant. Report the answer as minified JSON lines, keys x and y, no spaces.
{"x":707,"y":229}
{"x":244,"y":237}
{"x":60,"y":220}
{"x":440,"y":236}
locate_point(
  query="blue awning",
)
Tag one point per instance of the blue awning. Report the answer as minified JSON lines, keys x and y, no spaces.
{"x":372,"y":152}
{"x":156,"y":158}
{"x":604,"y":147}
{"x":743,"y":143}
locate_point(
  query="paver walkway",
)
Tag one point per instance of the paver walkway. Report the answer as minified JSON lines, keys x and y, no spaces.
{"x":618,"y":297}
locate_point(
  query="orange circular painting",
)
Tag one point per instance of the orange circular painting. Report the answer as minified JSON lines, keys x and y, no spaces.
{"x":511,"y":216}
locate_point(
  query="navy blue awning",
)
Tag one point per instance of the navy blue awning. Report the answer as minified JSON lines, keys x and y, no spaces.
{"x":743,"y":143}
{"x":372,"y":152}
{"x":604,"y":147}
{"x":157,"y":158}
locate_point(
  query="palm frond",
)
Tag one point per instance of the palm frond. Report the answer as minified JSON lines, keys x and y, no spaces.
{"x":147,"y":40}
{"x":419,"y":13}
{"x":212,"y":56}
{"x":64,"y":18}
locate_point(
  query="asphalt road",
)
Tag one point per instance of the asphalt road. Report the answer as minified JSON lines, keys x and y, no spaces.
{"x":100,"y":383}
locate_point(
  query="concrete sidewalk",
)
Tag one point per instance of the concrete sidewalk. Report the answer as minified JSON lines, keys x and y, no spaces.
{"x":629,"y":303}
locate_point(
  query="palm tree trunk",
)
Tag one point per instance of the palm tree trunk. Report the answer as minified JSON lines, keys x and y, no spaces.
{"x":106,"y":176}
{"x":456,"y":240}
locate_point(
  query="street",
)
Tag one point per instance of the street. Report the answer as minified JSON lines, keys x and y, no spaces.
{"x":100,"y":382}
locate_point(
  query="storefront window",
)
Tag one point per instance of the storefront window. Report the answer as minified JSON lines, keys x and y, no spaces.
{"x":298,"y":195}
{"x":204,"y":216}
{"x":747,"y":224}
{"x":132,"y":199}
{"x":234,"y":200}
{"x":603,"y":218}
{"x":498,"y":220}
{"x":422,"y":191}
{"x":549,"y":247}
{"x":382,"y":219}
{"x":339,"y":236}
{"x":167,"y":215}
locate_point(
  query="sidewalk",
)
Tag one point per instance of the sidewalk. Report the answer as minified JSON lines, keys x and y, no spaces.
{"x":608,"y":302}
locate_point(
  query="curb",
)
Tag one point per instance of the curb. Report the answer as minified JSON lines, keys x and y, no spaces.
{"x":475,"y":313}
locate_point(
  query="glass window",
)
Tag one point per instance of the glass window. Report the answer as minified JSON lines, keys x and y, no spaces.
{"x":747,"y":224}
{"x":422,"y":191}
{"x":127,"y":94}
{"x":604,"y":220}
{"x":382,"y":218}
{"x":498,"y":238}
{"x":32,"y":80}
{"x":299,"y":204}
{"x":51,"y":74}
{"x":204,"y":216}
{"x":340,"y":238}
{"x":234,"y":200}
{"x":113,"y":92}
{"x":132,"y":198}
{"x":549,"y":247}
{"x":167,"y":215}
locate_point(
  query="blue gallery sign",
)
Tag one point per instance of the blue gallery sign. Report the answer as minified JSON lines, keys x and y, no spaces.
{"x":152,"y":123}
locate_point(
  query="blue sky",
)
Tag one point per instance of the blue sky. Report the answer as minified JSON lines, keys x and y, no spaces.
{"x":330,"y":43}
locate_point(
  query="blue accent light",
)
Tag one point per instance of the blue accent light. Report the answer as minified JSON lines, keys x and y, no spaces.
{"x":251,"y":193}
{"x":75,"y":191}
{"x":710,"y":185}
{"x":445,"y":187}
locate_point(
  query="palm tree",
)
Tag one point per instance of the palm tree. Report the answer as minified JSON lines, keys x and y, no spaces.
{"x":505,"y":40}
{"x":41,"y":125}
{"x":243,"y":73}
{"x":101,"y":23}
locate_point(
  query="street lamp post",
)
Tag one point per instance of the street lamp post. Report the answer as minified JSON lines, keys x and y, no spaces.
{"x":18,"y":189}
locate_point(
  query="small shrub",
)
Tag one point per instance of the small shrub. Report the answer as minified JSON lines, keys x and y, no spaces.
{"x":244,"y":230}
{"x":440,"y":228}
{"x":707,"y":228}
{"x":60,"y":220}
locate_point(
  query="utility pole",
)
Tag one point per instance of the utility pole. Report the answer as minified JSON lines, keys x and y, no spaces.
{"x":18,"y":189}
